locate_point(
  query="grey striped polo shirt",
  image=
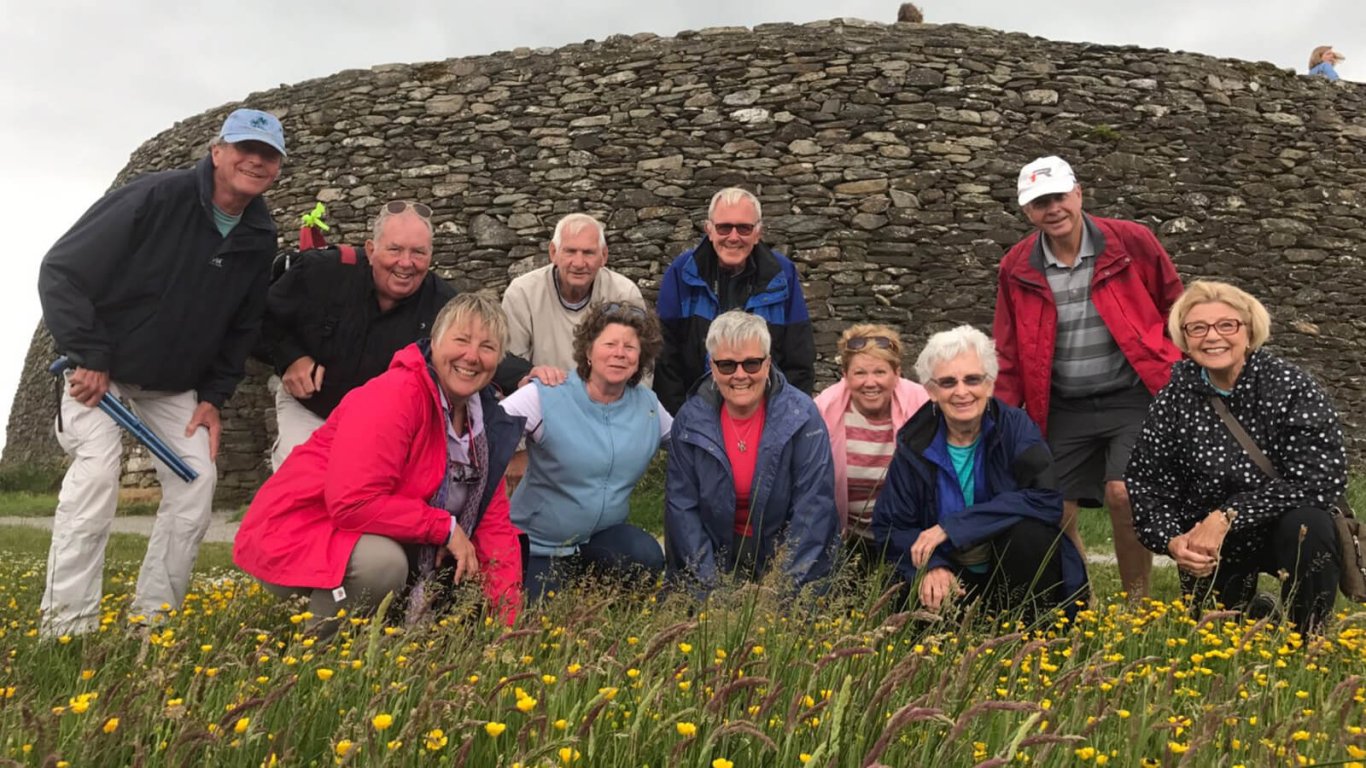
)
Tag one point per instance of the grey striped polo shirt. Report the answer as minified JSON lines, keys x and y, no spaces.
{"x":1086,"y":359}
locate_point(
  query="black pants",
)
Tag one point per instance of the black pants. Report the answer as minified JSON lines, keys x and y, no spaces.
{"x":1303,"y":545}
{"x":621,"y":554}
{"x":1025,"y":572}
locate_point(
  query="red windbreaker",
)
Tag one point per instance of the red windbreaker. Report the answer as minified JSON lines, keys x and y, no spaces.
{"x":1133,"y":287}
{"x":370,"y":468}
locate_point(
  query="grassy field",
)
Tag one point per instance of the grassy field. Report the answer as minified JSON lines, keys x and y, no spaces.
{"x":604,"y":679}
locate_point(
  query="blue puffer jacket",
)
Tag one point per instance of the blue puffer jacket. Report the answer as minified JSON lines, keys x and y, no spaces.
{"x":793,"y":499}
{"x":1013,"y":481}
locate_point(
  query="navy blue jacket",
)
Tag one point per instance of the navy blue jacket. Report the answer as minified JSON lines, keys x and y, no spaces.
{"x":687,"y":303}
{"x":792,"y":502}
{"x":145,"y":287}
{"x":1013,"y":481}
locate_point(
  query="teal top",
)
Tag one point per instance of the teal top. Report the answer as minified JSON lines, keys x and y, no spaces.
{"x":963,"y":458}
{"x":1204,"y":374}
{"x":224,"y":221}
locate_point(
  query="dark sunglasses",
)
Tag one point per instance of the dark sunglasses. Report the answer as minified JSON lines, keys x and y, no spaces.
{"x":1201,"y":330}
{"x":395,"y":207}
{"x":859,"y":342}
{"x":723,"y":228}
{"x":623,"y":309}
{"x":950,"y":382}
{"x":750,"y":364}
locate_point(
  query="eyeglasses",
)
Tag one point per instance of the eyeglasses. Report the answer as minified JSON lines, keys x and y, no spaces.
{"x":1201,"y":330}
{"x":724,"y":228}
{"x":859,"y":342}
{"x":395,"y":207}
{"x":951,"y":382}
{"x":623,"y":308}
{"x":750,"y":364}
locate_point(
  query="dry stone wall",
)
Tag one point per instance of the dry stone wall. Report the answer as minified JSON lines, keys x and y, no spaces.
{"x":885,"y":157}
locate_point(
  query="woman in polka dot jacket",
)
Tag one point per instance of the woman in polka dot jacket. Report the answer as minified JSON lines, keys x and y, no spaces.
{"x":1198,"y":496}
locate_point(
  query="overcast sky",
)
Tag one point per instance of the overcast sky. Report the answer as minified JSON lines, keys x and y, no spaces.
{"x":84,"y":83}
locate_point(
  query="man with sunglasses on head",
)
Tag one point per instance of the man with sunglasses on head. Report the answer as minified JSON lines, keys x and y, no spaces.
{"x":155,"y":295}
{"x":1080,"y":327}
{"x":731,"y":269}
{"x":332,"y":326}
{"x":547,"y":304}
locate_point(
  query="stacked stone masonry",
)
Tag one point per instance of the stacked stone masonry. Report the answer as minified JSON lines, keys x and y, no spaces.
{"x":885,"y":157}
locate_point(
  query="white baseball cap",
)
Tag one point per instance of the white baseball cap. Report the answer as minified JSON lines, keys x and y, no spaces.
{"x":1046,"y":176}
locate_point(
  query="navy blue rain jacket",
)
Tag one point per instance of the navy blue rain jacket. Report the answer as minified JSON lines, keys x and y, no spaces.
{"x":792,"y":503}
{"x":1013,"y":482}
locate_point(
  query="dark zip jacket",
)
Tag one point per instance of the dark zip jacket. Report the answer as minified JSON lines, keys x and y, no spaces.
{"x":1013,"y":481}
{"x":792,"y":501}
{"x":144,"y":287}
{"x":687,"y":304}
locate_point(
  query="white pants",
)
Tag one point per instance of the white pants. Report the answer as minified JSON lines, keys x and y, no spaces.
{"x":294,"y":424}
{"x":89,"y":497}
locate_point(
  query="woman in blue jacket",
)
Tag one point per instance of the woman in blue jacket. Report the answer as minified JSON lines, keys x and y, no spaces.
{"x":750,"y":474}
{"x":589,"y":440}
{"x":970,"y":508}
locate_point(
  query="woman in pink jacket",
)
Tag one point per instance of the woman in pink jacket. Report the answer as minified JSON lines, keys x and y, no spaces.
{"x":863,"y":412}
{"x":404,"y":481}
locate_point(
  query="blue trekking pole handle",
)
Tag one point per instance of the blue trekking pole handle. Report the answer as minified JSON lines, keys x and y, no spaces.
{"x":140,"y":431}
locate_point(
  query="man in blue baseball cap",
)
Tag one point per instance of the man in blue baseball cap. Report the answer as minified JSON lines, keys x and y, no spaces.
{"x":155,"y":294}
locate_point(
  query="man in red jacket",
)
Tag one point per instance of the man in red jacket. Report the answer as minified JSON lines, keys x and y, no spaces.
{"x":1081,"y":312}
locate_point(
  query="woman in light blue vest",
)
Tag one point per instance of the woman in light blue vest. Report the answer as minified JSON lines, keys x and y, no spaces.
{"x":589,"y":440}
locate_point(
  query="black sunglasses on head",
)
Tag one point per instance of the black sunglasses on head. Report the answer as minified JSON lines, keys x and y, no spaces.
{"x":395,"y":207}
{"x":859,"y":342}
{"x":623,"y":308}
{"x":750,"y":364}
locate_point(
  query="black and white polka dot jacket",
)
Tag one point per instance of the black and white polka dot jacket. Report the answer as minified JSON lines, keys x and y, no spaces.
{"x":1187,"y":463}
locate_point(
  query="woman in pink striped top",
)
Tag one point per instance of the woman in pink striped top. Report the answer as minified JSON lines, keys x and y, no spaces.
{"x":863,"y":412}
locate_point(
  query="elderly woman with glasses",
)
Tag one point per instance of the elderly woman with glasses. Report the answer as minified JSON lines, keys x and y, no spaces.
{"x":1199,"y":495}
{"x":403,"y":484}
{"x":970,"y":508}
{"x":863,"y":411}
{"x":589,"y":441}
{"x":749,"y":474}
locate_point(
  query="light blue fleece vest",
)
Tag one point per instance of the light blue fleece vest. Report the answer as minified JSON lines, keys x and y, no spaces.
{"x":580,"y":475}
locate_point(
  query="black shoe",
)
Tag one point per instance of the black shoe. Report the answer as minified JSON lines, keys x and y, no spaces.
{"x":1260,"y":606}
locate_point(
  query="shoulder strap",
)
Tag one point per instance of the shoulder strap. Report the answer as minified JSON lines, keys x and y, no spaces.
{"x":347,"y":253}
{"x":1243,"y":438}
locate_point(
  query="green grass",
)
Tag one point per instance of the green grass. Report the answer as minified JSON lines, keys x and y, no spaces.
{"x":30,"y":504}
{"x":598,"y":678}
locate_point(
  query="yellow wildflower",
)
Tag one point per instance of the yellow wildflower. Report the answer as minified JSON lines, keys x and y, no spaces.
{"x":343,"y":747}
{"x":568,"y":755}
{"x":111,"y":725}
{"x":494,"y":729}
{"x":241,"y":725}
{"x":323,"y":673}
{"x":436,"y":739}
{"x":722,"y":762}
{"x":382,"y":721}
{"x":686,"y":730}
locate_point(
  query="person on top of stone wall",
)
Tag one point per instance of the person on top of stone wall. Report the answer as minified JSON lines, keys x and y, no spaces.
{"x":731,"y":269}
{"x":156,"y":294}
{"x":547,"y":304}
{"x":1080,"y":327}
{"x":1323,"y":61}
{"x":332,"y":326}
